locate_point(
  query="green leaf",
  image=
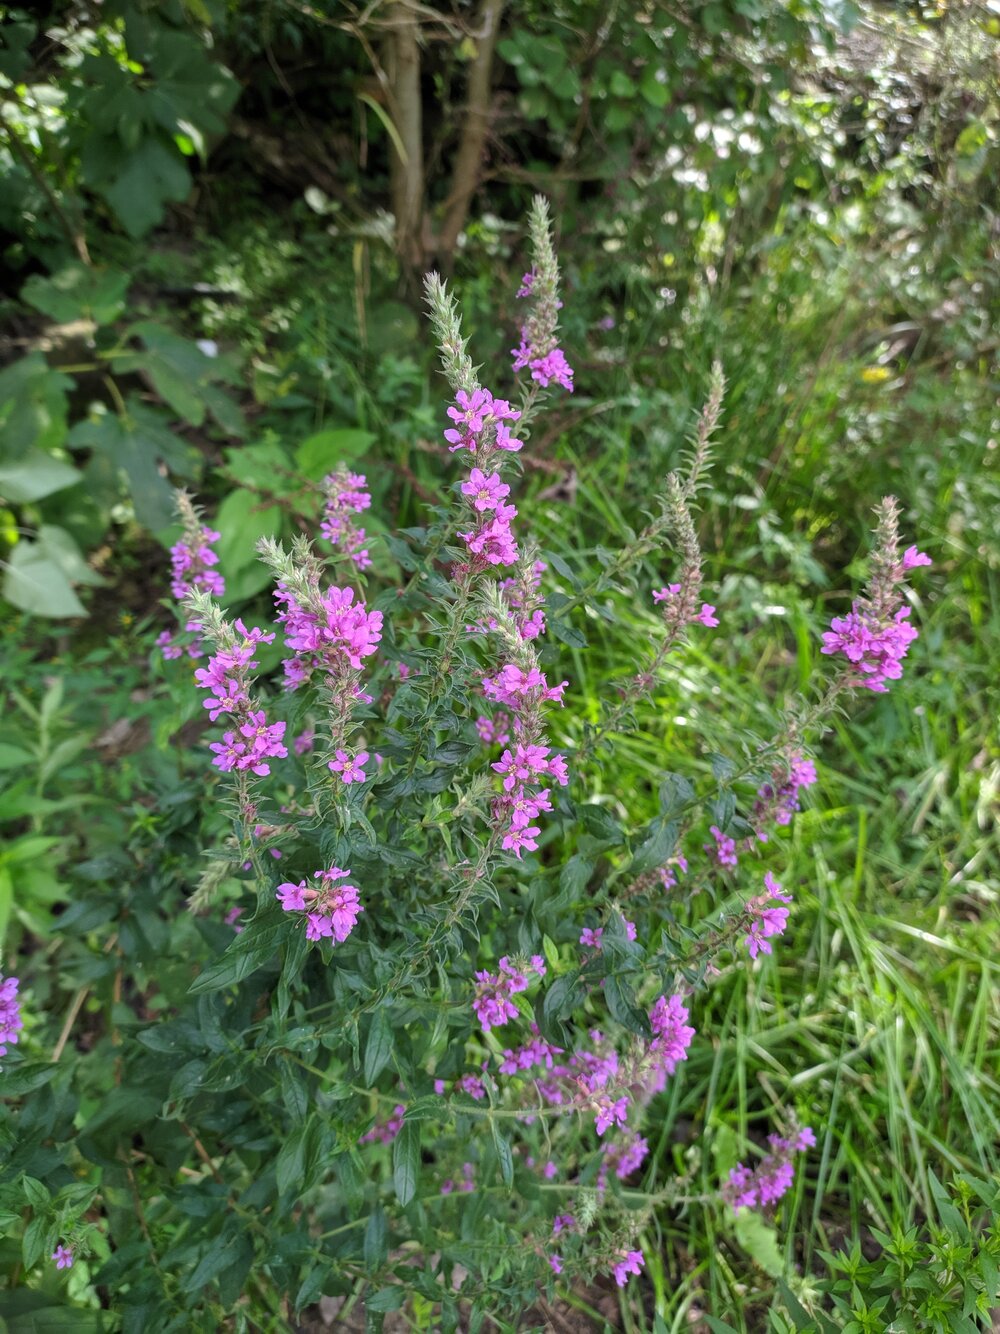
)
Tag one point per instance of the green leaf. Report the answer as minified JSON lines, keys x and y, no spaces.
{"x":138,"y":445}
{"x":801,"y":1318}
{"x":376,"y":1246}
{"x":35,"y":1241}
{"x":33,"y":582}
{"x":242,"y":519}
{"x":386,"y":1299}
{"x":655,"y":92}
{"x":621,"y":1003}
{"x":406,"y":1161}
{"x":35,"y":1191}
{"x":568,"y":634}
{"x":32,"y":407}
{"x":77,"y":292}
{"x":505,"y":1159}
{"x":60,"y":548}
{"x":225,"y":1251}
{"x":248,"y":952}
{"x":34,"y":476}
{"x":322,"y":452}
{"x":760,"y":1241}
{"x":151,"y":176}
{"x":378,"y":1048}
{"x":177,"y":366}
{"x":290,"y":1169}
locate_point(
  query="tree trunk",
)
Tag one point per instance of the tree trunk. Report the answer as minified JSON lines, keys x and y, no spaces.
{"x":468,"y":159}
{"x":407,"y":150}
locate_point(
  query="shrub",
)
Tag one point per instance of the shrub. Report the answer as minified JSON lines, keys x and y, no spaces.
{"x":466,"y":980}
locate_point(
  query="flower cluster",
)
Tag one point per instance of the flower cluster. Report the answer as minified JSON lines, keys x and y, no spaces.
{"x":328,"y":632}
{"x":749,"y":1188}
{"x":384,"y":1132}
{"x":192,"y":567}
{"x":624,"y":1155}
{"x":331,"y":911}
{"x":875,"y":648}
{"x":778,"y":799}
{"x":192,"y":562}
{"x":481,"y":428}
{"x":493,"y":1004}
{"x":876,"y":635}
{"x":11,"y":1022}
{"x":592,"y":937}
{"x":345,"y":495}
{"x":724,"y":849}
{"x":766,"y":919}
{"x":251,"y":741}
{"x":678,"y":612}
{"x":539,"y":349}
{"x":672,"y":1035}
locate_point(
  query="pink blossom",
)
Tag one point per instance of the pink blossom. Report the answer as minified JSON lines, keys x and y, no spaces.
{"x":294,"y":897}
{"x":350,"y":770}
{"x":486,"y":492}
{"x":11,"y":1022}
{"x":874,"y":647}
{"x":63,"y":1256}
{"x":912,"y":558}
{"x":630,"y":1262}
{"x":725,"y":847}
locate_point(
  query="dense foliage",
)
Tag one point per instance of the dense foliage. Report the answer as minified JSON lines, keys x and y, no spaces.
{"x":519,"y":1065}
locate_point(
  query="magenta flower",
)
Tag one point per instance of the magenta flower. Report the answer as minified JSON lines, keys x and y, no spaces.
{"x":672,"y":1036}
{"x":749,"y":1189}
{"x":485,"y":492}
{"x":303,"y":743}
{"x":610,"y":1111}
{"x":385,"y":1131}
{"x":912,"y":558}
{"x":63,"y":1256}
{"x":555,"y":1261}
{"x":876,"y":648}
{"x":494,"y":731}
{"x":11,"y":1022}
{"x":350,"y":770}
{"x":631,"y":1262}
{"x":766,"y":920}
{"x":517,"y":840}
{"x":725,"y":847}
{"x":294,"y":898}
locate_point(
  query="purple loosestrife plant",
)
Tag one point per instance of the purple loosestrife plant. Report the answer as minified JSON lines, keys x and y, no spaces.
{"x":534,"y":952}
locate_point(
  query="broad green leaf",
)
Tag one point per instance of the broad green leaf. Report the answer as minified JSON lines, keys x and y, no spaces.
{"x":77,"y":292}
{"x":34,"y":476}
{"x":32,"y":407}
{"x":137,"y":445}
{"x":151,"y":177}
{"x":241,"y":520}
{"x":760,"y":1241}
{"x":33,"y":582}
{"x":59,"y":547}
{"x":322,"y":452}
{"x":248,"y":952}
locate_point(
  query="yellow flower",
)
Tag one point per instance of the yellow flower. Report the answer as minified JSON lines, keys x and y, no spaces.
{"x":875,"y":374}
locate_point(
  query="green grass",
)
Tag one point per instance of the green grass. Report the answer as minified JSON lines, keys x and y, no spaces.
{"x":878,"y":1016}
